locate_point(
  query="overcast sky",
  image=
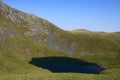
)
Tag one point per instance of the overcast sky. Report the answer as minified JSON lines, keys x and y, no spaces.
{"x":94,"y":15}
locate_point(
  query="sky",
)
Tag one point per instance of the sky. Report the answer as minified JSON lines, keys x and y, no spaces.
{"x":94,"y":15}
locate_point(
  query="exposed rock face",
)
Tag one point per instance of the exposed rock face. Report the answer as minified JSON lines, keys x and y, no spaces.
{"x":37,"y":28}
{"x":32,"y":22}
{"x":15,"y":15}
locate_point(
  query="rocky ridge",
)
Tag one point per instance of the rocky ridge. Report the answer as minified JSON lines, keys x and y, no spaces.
{"x":38,"y":28}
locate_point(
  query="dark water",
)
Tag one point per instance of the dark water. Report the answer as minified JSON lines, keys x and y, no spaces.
{"x":66,"y":64}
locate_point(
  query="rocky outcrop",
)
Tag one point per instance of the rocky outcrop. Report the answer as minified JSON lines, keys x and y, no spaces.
{"x":15,"y":15}
{"x":37,"y":28}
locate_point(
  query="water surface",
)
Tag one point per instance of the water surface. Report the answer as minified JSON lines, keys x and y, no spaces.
{"x":66,"y":64}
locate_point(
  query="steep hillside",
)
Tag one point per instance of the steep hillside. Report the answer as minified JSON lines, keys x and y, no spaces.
{"x":25,"y":36}
{"x":22,"y":36}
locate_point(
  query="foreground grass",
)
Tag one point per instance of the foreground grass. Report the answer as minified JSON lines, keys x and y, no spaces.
{"x":35,"y":75}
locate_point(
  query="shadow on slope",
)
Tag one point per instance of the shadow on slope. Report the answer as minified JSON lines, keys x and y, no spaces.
{"x":66,"y":64}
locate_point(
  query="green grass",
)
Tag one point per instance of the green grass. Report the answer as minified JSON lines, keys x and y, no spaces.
{"x":59,"y":76}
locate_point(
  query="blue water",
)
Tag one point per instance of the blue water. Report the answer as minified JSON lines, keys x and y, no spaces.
{"x":65,"y":65}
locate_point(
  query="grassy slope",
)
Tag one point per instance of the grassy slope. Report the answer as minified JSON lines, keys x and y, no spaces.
{"x":35,"y":75}
{"x":113,"y":36}
{"x":98,"y":49}
{"x":104,"y":46}
{"x":16,"y":52}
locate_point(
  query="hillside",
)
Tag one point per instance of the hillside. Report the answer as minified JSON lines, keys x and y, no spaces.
{"x":25,"y":36}
{"x":113,"y":36}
